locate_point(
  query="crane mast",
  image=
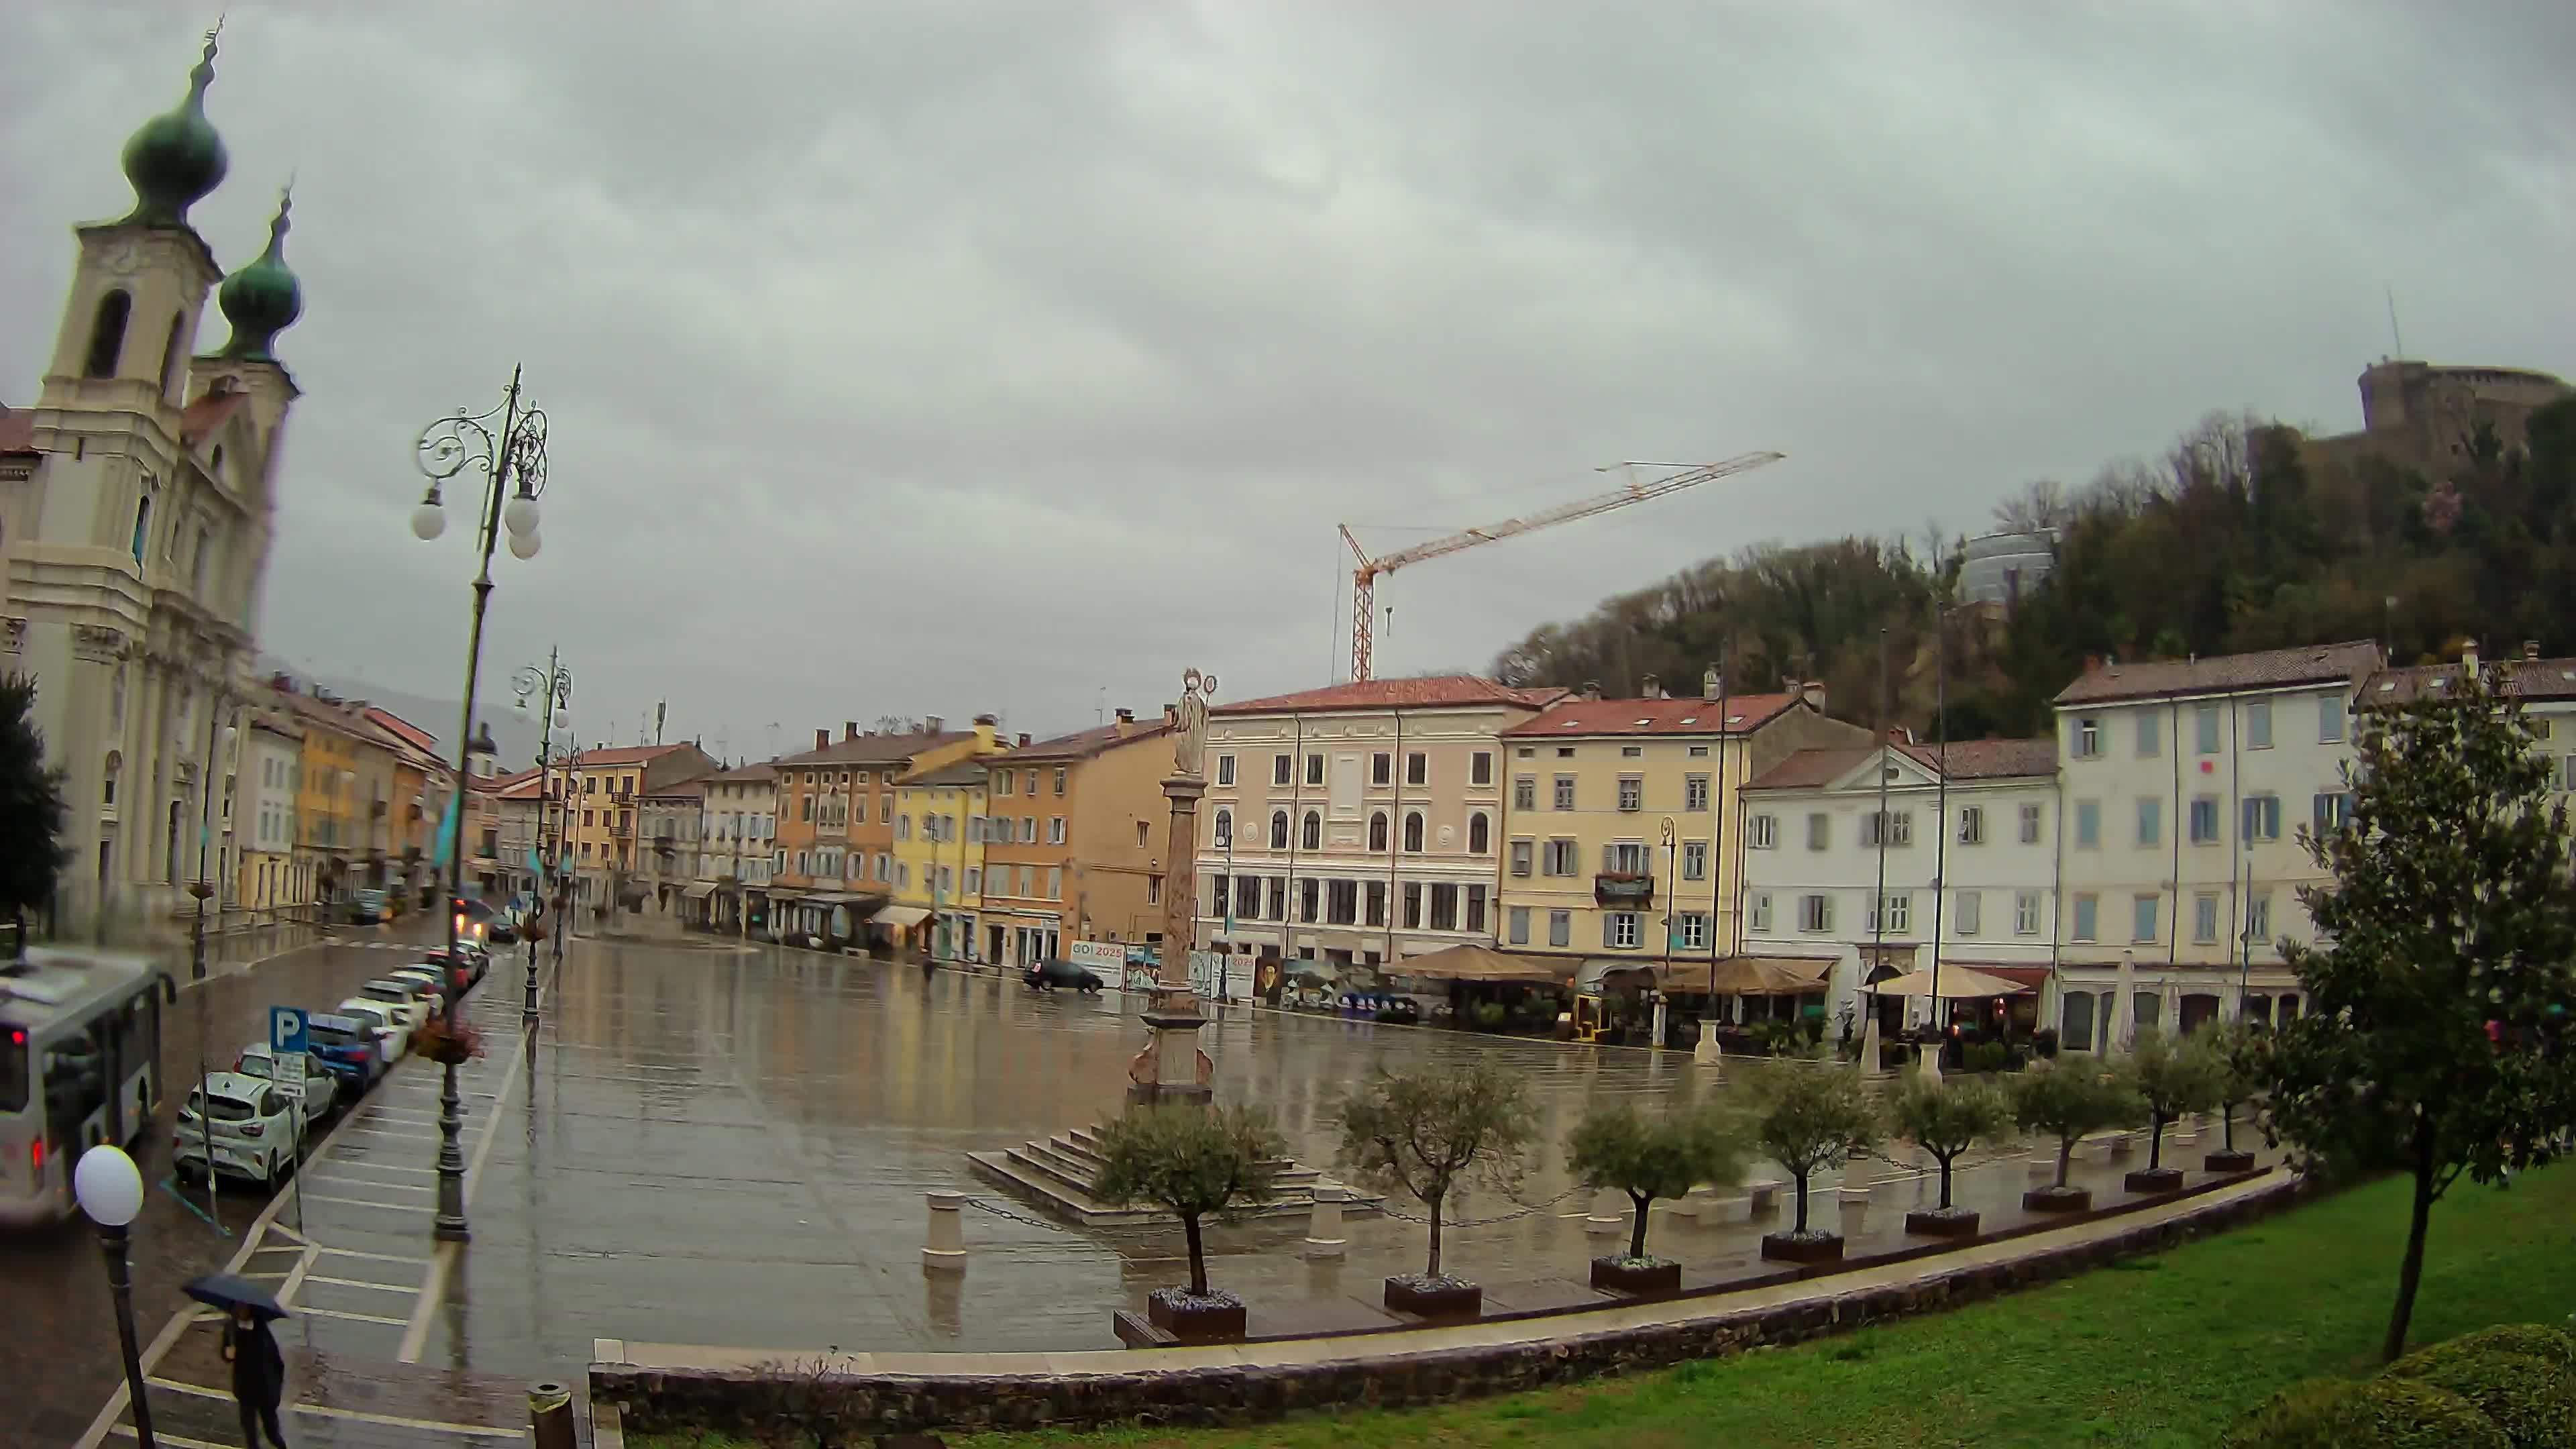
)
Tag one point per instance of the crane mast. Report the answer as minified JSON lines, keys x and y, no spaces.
{"x":1365,"y":574}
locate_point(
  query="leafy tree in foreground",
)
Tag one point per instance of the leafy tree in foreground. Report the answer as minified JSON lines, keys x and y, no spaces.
{"x":1192,"y":1162}
{"x":1424,"y":1132}
{"x":2072,"y":1098}
{"x":2175,"y":1079}
{"x":2436,"y":1037}
{"x":31,"y":807}
{"x":1619,"y":1147}
{"x":1947,"y":1118}
{"x":1812,"y":1117}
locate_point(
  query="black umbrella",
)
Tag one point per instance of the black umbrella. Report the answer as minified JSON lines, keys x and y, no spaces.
{"x":224,"y":1291}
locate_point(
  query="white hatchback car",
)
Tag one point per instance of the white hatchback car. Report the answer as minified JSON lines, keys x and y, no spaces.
{"x":253,"y":1129}
{"x":303,"y":1077}
{"x":393,"y":1039}
{"x":410,"y":1000}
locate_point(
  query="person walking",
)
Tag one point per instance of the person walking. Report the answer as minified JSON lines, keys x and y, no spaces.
{"x":259,"y":1375}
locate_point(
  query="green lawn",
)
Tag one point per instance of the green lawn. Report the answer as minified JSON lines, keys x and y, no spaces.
{"x":2158,"y":1351}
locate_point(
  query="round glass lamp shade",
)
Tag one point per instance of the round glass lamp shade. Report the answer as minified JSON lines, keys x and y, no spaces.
{"x":108,"y":1186}
{"x":428,"y":521}
{"x":519,"y":515}
{"x":523,"y":545}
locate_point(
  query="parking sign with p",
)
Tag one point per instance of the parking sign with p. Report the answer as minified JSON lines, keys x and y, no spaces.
{"x":285,"y":1030}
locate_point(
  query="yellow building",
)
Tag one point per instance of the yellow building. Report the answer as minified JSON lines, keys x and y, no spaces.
{"x":1620,"y":816}
{"x":599,"y":827}
{"x":938,"y":857}
{"x":330,"y":823}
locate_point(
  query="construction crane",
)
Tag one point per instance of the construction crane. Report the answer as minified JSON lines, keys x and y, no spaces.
{"x":1364,"y":577}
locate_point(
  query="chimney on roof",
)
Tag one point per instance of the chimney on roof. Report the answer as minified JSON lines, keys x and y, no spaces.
{"x":1024,"y":739}
{"x":822,"y":739}
{"x":849,"y":729}
{"x":1591,"y":690}
{"x":1171,"y":714}
{"x":933,"y":724}
{"x":2531,"y":649}
{"x":1651,"y":687}
{"x":988,"y":719}
{"x":2469,"y":657}
{"x":1711,"y":685}
{"x":282,"y":683}
{"x":1126,"y":716}
{"x":1813,"y":693}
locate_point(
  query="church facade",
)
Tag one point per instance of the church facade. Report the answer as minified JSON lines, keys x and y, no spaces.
{"x":136,"y":498}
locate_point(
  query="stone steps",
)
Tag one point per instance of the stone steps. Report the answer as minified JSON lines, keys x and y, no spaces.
{"x":1059,"y":1175}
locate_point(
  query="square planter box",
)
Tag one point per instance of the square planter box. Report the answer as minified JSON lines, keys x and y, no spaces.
{"x":1644,"y":1280}
{"x":1195,"y":1320}
{"x":2057,"y":1200}
{"x":1934,"y":1223}
{"x":1435,"y":1300}
{"x":1788,"y":1248}
{"x":2154,"y":1179}
{"x":2229,"y":1161}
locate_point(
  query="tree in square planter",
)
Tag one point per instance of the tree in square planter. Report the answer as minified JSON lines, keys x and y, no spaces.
{"x":1945,"y":1117}
{"x":1194,"y":1163}
{"x":2072,"y":1097}
{"x":2242,"y":1054}
{"x":1617,"y":1147}
{"x":1811,"y":1116}
{"x":2174,"y":1079}
{"x":1425,"y":1133}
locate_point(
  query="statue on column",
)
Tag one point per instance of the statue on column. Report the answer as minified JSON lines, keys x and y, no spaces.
{"x":1189,"y":739}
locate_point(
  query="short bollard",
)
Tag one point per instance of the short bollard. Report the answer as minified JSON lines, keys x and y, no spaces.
{"x":1324,"y":1226}
{"x":946,"y":1250}
{"x":550,"y":1416}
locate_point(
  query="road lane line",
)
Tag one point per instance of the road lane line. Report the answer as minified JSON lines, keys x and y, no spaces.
{"x":164,"y":1436}
{"x":378,"y":1257}
{"x":391,"y":1207}
{"x":307,"y":1308}
{"x":404,"y":1288}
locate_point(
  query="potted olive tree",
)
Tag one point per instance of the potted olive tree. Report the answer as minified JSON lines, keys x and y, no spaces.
{"x":1617,"y":1147}
{"x":2069,"y":1099}
{"x":1194,"y":1163}
{"x":1425,"y":1133}
{"x":1812,"y":1116}
{"x":2174,"y":1079}
{"x":2241,"y":1054}
{"x":1946,"y":1118}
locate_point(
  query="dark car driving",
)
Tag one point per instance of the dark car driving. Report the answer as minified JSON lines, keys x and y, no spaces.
{"x":1048,"y":975}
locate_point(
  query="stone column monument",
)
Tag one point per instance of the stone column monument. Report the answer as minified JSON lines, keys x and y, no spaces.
{"x":1171,"y":1068}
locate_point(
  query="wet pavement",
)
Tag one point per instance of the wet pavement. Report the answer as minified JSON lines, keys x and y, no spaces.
{"x":716,"y":1144}
{"x":59,"y":1356}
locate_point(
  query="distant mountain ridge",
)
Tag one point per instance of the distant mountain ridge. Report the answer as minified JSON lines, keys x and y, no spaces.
{"x":515,"y":735}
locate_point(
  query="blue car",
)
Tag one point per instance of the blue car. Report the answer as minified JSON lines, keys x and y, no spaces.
{"x":345,"y":1048}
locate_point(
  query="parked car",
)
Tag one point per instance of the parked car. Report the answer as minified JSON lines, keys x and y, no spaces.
{"x":367,"y":907}
{"x":305,"y":1077}
{"x":347,"y":1049}
{"x":254,"y":1129}
{"x":444,"y":986}
{"x":391,"y":1037}
{"x":413,"y":1002}
{"x":1048,"y":975}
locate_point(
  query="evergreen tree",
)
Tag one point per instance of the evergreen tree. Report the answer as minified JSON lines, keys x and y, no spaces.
{"x":2435,"y":1039}
{"x":32,"y":854}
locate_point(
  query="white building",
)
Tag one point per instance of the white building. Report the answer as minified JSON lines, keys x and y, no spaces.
{"x":1359,"y":822}
{"x":1978,"y":895}
{"x":264,"y":815}
{"x":135,"y":500}
{"x":2185,"y":783}
{"x":739,"y":846}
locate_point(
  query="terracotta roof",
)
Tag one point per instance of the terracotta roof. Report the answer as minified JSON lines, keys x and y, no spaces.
{"x":955,"y":772}
{"x":1969,"y":760}
{"x":1427,"y":692}
{"x":625,"y":755}
{"x":521,"y":787}
{"x":694,"y":785}
{"x":208,"y":413}
{"x":2522,"y":679}
{"x":17,"y":431}
{"x":1083,"y":744}
{"x":2265,"y":669}
{"x":875,"y":749}
{"x":760,"y":772}
{"x":402,"y":728}
{"x":1580,"y":717}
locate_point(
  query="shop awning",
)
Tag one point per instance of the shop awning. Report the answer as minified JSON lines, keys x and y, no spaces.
{"x":1479,"y":963}
{"x":1766,"y":976}
{"x":1958,"y":983}
{"x":700,"y":891}
{"x":905,"y":916}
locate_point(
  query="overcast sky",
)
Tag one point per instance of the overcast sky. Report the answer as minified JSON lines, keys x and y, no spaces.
{"x":945,"y":357}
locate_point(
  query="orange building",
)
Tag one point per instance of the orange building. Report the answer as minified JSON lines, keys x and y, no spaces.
{"x":836,"y":825}
{"x":1073,"y":841}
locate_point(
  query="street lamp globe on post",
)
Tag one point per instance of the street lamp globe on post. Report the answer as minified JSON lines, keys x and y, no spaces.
{"x":110,"y":1191}
{"x":507,"y":445}
{"x":554,"y":683}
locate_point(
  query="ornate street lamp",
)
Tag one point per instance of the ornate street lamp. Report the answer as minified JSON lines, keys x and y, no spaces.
{"x":514,"y":455}
{"x":111,"y":1194}
{"x":555,"y":683}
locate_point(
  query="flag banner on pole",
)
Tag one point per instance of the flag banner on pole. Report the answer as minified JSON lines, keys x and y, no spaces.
{"x":446,"y":831}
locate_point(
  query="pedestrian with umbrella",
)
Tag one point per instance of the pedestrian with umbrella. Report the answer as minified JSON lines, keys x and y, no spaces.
{"x":259,"y":1367}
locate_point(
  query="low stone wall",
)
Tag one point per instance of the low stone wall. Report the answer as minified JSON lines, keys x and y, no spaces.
{"x":1383,"y":1375}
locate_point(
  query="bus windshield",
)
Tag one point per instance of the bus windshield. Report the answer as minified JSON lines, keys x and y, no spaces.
{"x":13,"y":1069}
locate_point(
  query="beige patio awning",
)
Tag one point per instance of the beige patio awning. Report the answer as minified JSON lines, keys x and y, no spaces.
{"x":1958,"y":983}
{"x":700,"y":891}
{"x":1477,"y":963}
{"x":1767,"y":975}
{"x":900,"y":916}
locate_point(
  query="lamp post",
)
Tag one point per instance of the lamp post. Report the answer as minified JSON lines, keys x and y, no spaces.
{"x":219,"y":738}
{"x":1672,"y":920}
{"x":555,"y":682}
{"x":515,"y":454}
{"x":111,"y":1194}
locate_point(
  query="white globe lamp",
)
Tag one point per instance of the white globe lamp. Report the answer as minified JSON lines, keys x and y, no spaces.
{"x":108,"y":1186}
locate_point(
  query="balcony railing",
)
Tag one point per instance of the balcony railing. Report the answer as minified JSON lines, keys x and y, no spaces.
{"x":1623,"y":888}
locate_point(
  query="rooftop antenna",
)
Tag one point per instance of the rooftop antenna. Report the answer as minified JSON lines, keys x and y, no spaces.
{"x":1100,"y":706}
{"x":2395,"y":337}
{"x":661,"y":708}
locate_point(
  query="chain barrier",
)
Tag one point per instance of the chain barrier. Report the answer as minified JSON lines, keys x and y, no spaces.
{"x":1525,"y":1211}
{"x":999,"y":1211}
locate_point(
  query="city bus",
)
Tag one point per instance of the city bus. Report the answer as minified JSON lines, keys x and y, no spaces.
{"x":80,"y":1064}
